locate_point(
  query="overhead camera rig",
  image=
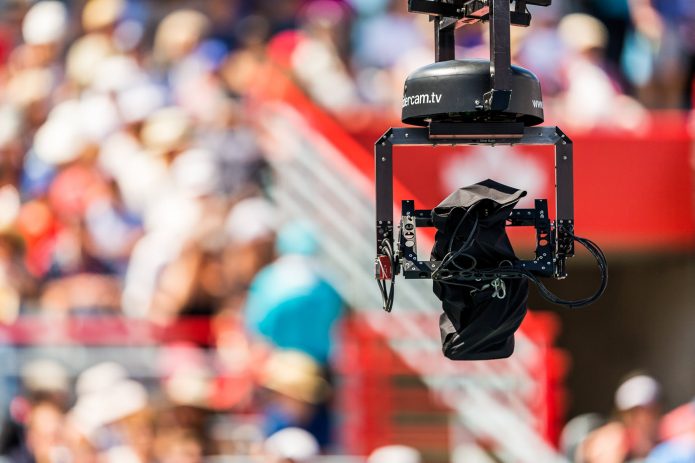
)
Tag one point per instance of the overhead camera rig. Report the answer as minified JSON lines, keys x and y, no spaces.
{"x":475,"y":102}
{"x":554,"y":238}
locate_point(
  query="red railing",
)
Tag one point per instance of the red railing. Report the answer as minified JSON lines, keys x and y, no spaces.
{"x":383,"y":400}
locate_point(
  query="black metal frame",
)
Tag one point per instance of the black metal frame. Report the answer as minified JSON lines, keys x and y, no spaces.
{"x":554,"y":239}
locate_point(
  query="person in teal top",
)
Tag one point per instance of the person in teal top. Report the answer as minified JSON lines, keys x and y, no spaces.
{"x":291,"y":302}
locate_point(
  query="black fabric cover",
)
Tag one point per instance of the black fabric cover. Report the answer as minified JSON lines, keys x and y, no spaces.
{"x":474,"y":325}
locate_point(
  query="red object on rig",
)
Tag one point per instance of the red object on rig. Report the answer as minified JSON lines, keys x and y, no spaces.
{"x":384,"y":269}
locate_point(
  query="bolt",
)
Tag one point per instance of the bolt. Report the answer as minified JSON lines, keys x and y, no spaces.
{"x":406,"y":135}
{"x":564,"y":158}
{"x":383,"y":159}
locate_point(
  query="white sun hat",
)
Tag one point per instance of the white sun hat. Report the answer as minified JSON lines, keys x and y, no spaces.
{"x":638,"y":391}
{"x":251,"y":219}
{"x":582,"y":32}
{"x":196,"y":172}
{"x":45,"y":23}
{"x":45,"y":375}
{"x":61,"y":139}
{"x":395,"y":453}
{"x":294,"y":444}
{"x":167,"y":129}
{"x":116,"y":73}
{"x":100,"y":377}
{"x":138,"y":102}
{"x":85,"y":55}
{"x":99,"y":117}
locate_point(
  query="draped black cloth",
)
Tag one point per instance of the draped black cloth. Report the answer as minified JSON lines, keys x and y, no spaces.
{"x":475,"y":325}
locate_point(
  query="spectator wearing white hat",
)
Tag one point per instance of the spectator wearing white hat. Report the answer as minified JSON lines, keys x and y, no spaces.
{"x":45,"y":24}
{"x":592,"y":97}
{"x":395,"y":453}
{"x":112,"y":412}
{"x":291,"y":445}
{"x":635,"y":433}
{"x":638,"y":399}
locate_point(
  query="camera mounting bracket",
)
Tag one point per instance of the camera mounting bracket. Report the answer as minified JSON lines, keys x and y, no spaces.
{"x":554,"y":238}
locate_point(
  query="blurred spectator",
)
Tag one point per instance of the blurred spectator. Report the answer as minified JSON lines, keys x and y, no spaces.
{"x":112,"y":413}
{"x":16,"y":284}
{"x":45,"y":439}
{"x":179,"y":446}
{"x":678,"y":433}
{"x":390,"y":453}
{"x":297,"y":396}
{"x":291,"y":445}
{"x":186,"y":375}
{"x":665,"y":32}
{"x":250,"y":229}
{"x":292,"y":302}
{"x":615,"y":15}
{"x":388,"y":43}
{"x":316,"y":59}
{"x":592,"y":97}
{"x":575,"y":433}
{"x":635,"y":434}
{"x":43,"y":381}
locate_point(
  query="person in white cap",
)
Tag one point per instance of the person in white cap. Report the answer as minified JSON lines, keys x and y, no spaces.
{"x":292,"y":445}
{"x":395,"y":453}
{"x":638,"y":402}
{"x":46,"y":23}
{"x":635,"y":433}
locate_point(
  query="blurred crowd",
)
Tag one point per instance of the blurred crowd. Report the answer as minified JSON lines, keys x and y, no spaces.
{"x":134,"y":183}
{"x":638,"y":431}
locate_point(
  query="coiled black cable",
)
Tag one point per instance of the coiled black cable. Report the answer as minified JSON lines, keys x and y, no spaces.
{"x":597,"y":253}
{"x":509,"y":272}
